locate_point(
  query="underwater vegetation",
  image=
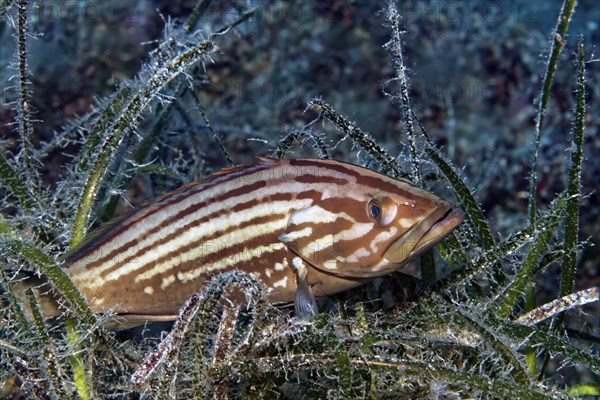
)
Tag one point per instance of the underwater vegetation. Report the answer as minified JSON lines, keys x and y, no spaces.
{"x":105,"y":105}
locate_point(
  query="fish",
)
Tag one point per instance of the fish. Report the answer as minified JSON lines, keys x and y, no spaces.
{"x":304,"y":227}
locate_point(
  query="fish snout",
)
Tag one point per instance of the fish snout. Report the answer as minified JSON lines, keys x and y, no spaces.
{"x":425,"y":234}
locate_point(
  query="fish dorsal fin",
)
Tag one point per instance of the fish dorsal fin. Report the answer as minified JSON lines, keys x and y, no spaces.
{"x":94,"y":236}
{"x":310,"y":235}
{"x":260,"y":161}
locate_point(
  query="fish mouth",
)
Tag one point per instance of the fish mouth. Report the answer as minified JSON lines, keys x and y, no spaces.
{"x":433,"y":229}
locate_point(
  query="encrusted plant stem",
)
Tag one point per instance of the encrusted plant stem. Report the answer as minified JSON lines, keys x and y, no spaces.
{"x":395,"y":48}
{"x":214,"y":133}
{"x":6,"y":6}
{"x":80,"y":374}
{"x":196,"y":312}
{"x":301,"y":136}
{"x":407,"y":368}
{"x":139,"y":156}
{"x":57,"y":276}
{"x":363,"y":139}
{"x":500,"y":345}
{"x":467,"y":200}
{"x":536,"y":337}
{"x":496,"y":253}
{"x":538,"y":259}
{"x":558,"y":306}
{"x":50,"y":363}
{"x":506,"y":303}
{"x":32,"y":384}
{"x":129,"y":114}
{"x":13,"y":305}
{"x":168,"y":349}
{"x":571,"y":242}
{"x":558,"y":42}
{"x":23,"y":109}
{"x":16,"y":183}
{"x":199,"y":10}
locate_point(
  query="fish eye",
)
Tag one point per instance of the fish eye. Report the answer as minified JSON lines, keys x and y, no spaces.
{"x":375,"y":210}
{"x":381,"y":210}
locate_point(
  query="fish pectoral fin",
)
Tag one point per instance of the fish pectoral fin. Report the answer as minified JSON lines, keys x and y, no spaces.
{"x":305,"y":304}
{"x":413,"y":268}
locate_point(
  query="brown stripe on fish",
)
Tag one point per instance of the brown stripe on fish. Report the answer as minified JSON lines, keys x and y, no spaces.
{"x":198,"y":243}
{"x":243,"y":175}
{"x":130,"y":246}
{"x":149,"y":209}
{"x":164,"y":238}
{"x":254,"y":254}
{"x":181,"y":215}
{"x":254,"y":258}
{"x":309,"y":194}
{"x":321,"y":179}
{"x":138,"y":220}
{"x":182,"y":237}
{"x":182,"y":221}
{"x":328,"y":165}
{"x":212,"y":244}
{"x":266,"y":208}
{"x":367,"y":177}
{"x":165,"y":295}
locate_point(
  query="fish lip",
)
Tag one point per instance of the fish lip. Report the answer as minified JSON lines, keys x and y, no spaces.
{"x":439,"y":230}
{"x":433,"y":229}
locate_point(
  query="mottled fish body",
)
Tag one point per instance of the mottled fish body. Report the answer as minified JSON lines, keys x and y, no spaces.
{"x":304,"y":227}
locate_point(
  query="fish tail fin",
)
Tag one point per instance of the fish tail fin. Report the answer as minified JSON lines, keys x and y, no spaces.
{"x":45,"y":295}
